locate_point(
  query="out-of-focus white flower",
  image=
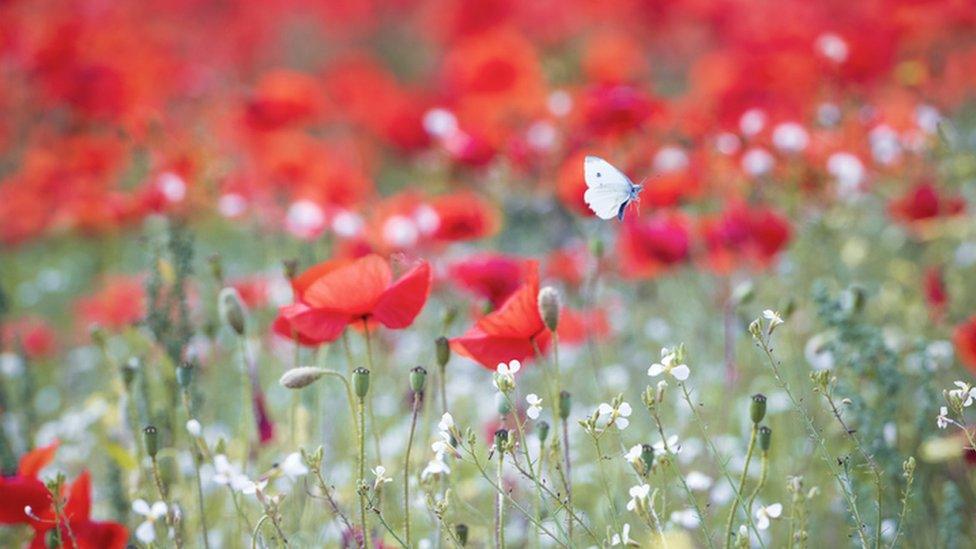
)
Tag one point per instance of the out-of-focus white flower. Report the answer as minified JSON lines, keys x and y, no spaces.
{"x":446,"y":422}
{"x":380,"y":473}
{"x":623,"y":538}
{"x":443,"y":445}
{"x":757,"y":161}
{"x":686,"y":518}
{"x":634,"y":454}
{"x":671,"y":445}
{"x":964,"y":392}
{"x":698,"y":481}
{"x":250,"y":487}
{"x":504,"y":378}
{"x":616,"y":416}
{"x":943,"y":419}
{"x":146,"y":531}
{"x":752,"y":121}
{"x":293,"y":466}
{"x":790,"y":137}
{"x":535,"y":406}
{"x":638,"y":496}
{"x":668,"y":366}
{"x":193,"y":427}
{"x":435,"y":468}
{"x":767,"y":512}
{"x":832,"y":46}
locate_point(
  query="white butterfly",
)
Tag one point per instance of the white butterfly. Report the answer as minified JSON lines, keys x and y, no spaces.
{"x":608,"y":191}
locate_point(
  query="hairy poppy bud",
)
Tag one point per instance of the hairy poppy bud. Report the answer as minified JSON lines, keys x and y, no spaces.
{"x":231,"y":310}
{"x":360,"y":382}
{"x":757,"y":410}
{"x":543,"y":430}
{"x":565,"y":403}
{"x":151,"y":439}
{"x":647,"y":456}
{"x":461,"y":531}
{"x":443,"y":351}
{"x":501,"y":439}
{"x":418,"y":379}
{"x":303,"y":376}
{"x":549,"y":307}
{"x":184,"y":374}
{"x":765,"y":434}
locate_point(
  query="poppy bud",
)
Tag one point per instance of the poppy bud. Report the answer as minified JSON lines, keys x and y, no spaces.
{"x":757,"y":410}
{"x":418,"y":379}
{"x":291,"y":268}
{"x":360,"y":382}
{"x":765,"y":434}
{"x":184,"y":374}
{"x":565,"y":402}
{"x":647,"y":456}
{"x":501,"y":439}
{"x":543,"y":427}
{"x":151,"y":439}
{"x":502,"y":404}
{"x":461,"y":531}
{"x":232,"y":310}
{"x":129,"y":370}
{"x":303,"y":376}
{"x":549,"y":307}
{"x":216,"y":267}
{"x":443,"y":351}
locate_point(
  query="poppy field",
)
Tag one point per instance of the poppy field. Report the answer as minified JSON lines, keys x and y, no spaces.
{"x":449,"y":273}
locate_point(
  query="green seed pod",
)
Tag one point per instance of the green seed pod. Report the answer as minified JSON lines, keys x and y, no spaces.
{"x":501,"y":439}
{"x":184,"y":374}
{"x":231,"y":310}
{"x":461,"y":531}
{"x":443,"y":351}
{"x":565,"y":403}
{"x":549,"y":307}
{"x":765,"y":436}
{"x":151,"y":439}
{"x":757,"y":410}
{"x":360,"y":382}
{"x":418,"y":379}
{"x":543,"y":430}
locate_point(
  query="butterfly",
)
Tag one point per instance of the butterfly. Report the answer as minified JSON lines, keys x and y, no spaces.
{"x":608,"y":190}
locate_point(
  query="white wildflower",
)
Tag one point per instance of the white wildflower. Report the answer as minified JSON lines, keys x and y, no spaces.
{"x":943,"y":419}
{"x":146,"y":531}
{"x":535,"y":406}
{"x":638,"y":496}
{"x":767,"y":512}
{"x":668,"y":366}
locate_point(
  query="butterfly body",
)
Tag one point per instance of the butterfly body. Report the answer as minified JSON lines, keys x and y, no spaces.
{"x":608,"y":191}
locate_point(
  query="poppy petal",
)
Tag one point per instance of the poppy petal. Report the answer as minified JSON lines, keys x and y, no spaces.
{"x":489,"y":350}
{"x":314,"y":324}
{"x":78,"y":507}
{"x":352,"y":289}
{"x":401,"y":303}
{"x":519,"y":315}
{"x":18,"y":492}
{"x":32,"y":462}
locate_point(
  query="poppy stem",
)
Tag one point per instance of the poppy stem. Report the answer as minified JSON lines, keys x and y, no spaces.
{"x":361,"y":488}
{"x":500,"y":505}
{"x":406,"y":469}
{"x":372,"y":415}
{"x":742,"y":484}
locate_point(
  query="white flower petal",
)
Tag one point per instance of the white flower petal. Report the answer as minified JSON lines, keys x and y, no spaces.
{"x":146,"y":532}
{"x":140,"y":506}
{"x":681,"y":372}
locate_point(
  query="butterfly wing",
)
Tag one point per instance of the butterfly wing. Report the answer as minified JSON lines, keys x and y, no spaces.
{"x":608,"y":189}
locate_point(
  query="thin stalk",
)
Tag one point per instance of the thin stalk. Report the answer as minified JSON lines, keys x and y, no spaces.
{"x":763,"y":472}
{"x":742,"y":484}
{"x":163,"y":495}
{"x":245,"y":403}
{"x":406,"y":468}
{"x":568,"y":477}
{"x":361,"y":436}
{"x":196,"y":470}
{"x":500,"y":505}
{"x":372,"y":416}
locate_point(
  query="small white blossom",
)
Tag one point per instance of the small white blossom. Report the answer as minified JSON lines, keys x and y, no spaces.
{"x":686,"y":518}
{"x":504,"y":378}
{"x":668,"y":366}
{"x":634,"y":454}
{"x":616,"y":416}
{"x":943,"y":420}
{"x":638,"y":496}
{"x":773,"y":318}
{"x":293,"y":466}
{"x":146,"y":531}
{"x":672,"y":445}
{"x":965,"y":393}
{"x":194,"y":428}
{"x":249,"y":487}
{"x":435,"y":468}
{"x":623,"y":538}
{"x":380,"y":473}
{"x":698,"y":481}
{"x":446,"y":423}
{"x":767,"y":512}
{"x":535,"y":406}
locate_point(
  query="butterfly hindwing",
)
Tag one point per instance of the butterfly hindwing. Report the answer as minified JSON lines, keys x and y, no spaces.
{"x":608,"y":189}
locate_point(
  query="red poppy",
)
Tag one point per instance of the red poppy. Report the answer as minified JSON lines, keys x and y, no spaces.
{"x":120,"y":303}
{"x":88,"y":533}
{"x":33,"y":334}
{"x":463,"y":216}
{"x":283,"y":98}
{"x":335,"y":293}
{"x":24,"y":488}
{"x":964,"y":338}
{"x":924,"y":202}
{"x":744,"y":236}
{"x":490,"y":276}
{"x":936,"y":294}
{"x":616,"y":110}
{"x":576,"y":327}
{"x":511,"y":332}
{"x":647,"y":246}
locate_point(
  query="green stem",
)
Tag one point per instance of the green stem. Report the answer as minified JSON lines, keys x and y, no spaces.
{"x":406,"y":469}
{"x":500,"y":505}
{"x":361,"y":436}
{"x":763,"y":471}
{"x":742,"y":484}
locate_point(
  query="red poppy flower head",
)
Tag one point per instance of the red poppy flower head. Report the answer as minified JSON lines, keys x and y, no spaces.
{"x":964,"y":339}
{"x":648,"y":246}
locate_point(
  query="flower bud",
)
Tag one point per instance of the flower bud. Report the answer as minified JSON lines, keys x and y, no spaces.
{"x":461,"y":531}
{"x":565,"y":403}
{"x":231,"y":310}
{"x":501,"y":440}
{"x":502,"y":404}
{"x":303,"y":376}
{"x":543,"y":430}
{"x":443,"y":351}
{"x":151,"y":439}
{"x":184,"y":374}
{"x":757,"y":410}
{"x":549,"y":307}
{"x":647,"y":456}
{"x":129,"y":370}
{"x":291,"y":268}
{"x":360,"y":382}
{"x":765,"y":436}
{"x":418,"y":379}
